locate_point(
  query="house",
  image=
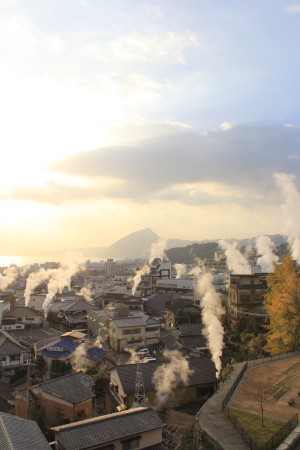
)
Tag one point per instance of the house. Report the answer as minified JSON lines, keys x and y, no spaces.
{"x":21,"y":317}
{"x":36,"y":301}
{"x":71,"y":314}
{"x":181,"y":311}
{"x":11,"y":356}
{"x":4,"y":307}
{"x":63,"y":400}
{"x":133,"y":331}
{"x":20,"y":434}
{"x":137,"y":428}
{"x":200,"y":383}
{"x":189,"y":339}
{"x":71,"y":349}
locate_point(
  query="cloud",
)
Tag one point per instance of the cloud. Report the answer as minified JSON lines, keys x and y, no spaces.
{"x":237,"y":165}
{"x":293,"y":9}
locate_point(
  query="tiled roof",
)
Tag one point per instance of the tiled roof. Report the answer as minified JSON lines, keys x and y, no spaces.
{"x":106,"y":429}
{"x":22,"y":311}
{"x":20,"y":434}
{"x":68,"y":346}
{"x":190,"y":330}
{"x":74,"y":388}
{"x":96,"y":354}
{"x":77,"y":305}
{"x":203,"y":372}
{"x":130,"y":321}
{"x":8,"y":345}
{"x":177,"y":305}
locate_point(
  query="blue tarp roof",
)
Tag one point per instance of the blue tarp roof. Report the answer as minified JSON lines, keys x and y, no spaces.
{"x":96,"y":354}
{"x":68,"y":346}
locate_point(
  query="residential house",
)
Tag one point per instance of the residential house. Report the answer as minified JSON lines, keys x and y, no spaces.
{"x":20,"y":434}
{"x":65,"y":351}
{"x":70,"y":314}
{"x":181,"y":311}
{"x":133,"y":331}
{"x":21,"y":317}
{"x":55,"y":402}
{"x":4,"y":307}
{"x":189,"y":339}
{"x":200,"y":385}
{"x":11,"y":356}
{"x":138,"y":428}
{"x":36,"y":301}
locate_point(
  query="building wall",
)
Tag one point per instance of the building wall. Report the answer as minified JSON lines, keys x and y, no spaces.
{"x":36,"y":301}
{"x":55,"y":410}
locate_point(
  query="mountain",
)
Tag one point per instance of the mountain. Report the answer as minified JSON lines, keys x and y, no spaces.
{"x":137,"y":246}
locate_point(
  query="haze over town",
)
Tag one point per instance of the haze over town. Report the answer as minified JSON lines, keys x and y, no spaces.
{"x":119,"y":116}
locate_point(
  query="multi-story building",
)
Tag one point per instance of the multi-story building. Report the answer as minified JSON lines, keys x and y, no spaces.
{"x":246,"y":301}
{"x":134,"y":332}
{"x":11,"y":356}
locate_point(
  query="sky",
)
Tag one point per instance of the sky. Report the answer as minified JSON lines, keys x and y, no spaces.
{"x":174,"y":115}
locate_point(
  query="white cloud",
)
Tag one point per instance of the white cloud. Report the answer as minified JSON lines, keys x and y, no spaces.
{"x":293,"y":9}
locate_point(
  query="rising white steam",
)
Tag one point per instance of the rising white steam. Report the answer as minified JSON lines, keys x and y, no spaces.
{"x":61,"y":277}
{"x":265,"y":247}
{"x":78,"y":360}
{"x":195,"y":271}
{"x":291,"y":208}
{"x":144,"y":270}
{"x":180,"y":270}
{"x":8,"y":277}
{"x":86,"y":293}
{"x":212,"y":310}
{"x":157,"y":250}
{"x":33,"y":280}
{"x":236,"y":262}
{"x":169,"y":375}
{"x":134,"y":359}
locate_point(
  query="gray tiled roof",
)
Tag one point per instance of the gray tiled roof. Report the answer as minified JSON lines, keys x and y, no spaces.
{"x":74,"y":388}
{"x":106,"y":429}
{"x":8,"y":345}
{"x":130,"y":321}
{"x":20,"y":434}
{"x":203,"y":372}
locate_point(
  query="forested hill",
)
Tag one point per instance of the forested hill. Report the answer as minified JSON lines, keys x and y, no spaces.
{"x":188,"y":254}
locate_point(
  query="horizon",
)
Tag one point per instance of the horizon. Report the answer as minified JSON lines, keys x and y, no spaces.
{"x":176,"y":116}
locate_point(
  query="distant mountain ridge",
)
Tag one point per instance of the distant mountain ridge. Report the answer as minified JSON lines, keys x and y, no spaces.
{"x":137,"y":245}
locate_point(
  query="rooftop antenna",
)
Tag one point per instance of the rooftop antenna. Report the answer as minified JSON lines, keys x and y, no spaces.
{"x":139,"y":394}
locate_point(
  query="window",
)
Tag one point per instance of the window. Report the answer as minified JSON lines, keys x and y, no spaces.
{"x":131,"y":331}
{"x":131,"y":443}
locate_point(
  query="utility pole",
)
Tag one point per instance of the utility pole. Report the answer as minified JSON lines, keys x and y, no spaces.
{"x":139,"y":395}
{"x":27,"y":384}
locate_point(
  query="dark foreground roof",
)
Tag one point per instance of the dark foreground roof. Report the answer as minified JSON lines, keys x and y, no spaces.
{"x":20,"y":434}
{"x":74,"y":388}
{"x":106,"y":429}
{"x":203,"y":372}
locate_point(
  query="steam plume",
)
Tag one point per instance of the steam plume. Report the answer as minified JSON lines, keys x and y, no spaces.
{"x":8,"y":277}
{"x":291,"y":208}
{"x":134,"y":359}
{"x":169,"y":375}
{"x":138,"y":277}
{"x":78,"y":357}
{"x":266,"y":247}
{"x":157,"y":250}
{"x":236,"y":262}
{"x":86,"y":293}
{"x":180,"y":270}
{"x":33,"y":280}
{"x":212,"y":310}
{"x":61,"y":277}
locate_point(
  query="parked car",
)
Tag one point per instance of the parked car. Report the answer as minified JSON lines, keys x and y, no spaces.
{"x":143,"y":352}
{"x":149,"y":359}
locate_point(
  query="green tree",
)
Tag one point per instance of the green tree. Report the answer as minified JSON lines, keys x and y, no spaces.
{"x":282,"y":303}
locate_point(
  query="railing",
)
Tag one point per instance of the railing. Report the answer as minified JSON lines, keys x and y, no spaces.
{"x":234,"y":387}
{"x":273,"y":442}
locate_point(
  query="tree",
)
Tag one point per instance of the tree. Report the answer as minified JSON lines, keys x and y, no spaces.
{"x":282,"y":303}
{"x":260,"y":392}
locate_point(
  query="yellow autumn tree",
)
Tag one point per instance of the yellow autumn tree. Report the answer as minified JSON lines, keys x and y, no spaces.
{"x":282,"y":303}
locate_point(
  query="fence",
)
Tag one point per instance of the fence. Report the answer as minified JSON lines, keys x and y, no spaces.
{"x":234,"y":387}
{"x":273,"y":442}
